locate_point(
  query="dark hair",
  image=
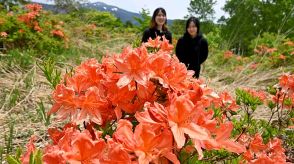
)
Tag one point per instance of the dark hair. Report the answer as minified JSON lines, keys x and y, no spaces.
{"x":195,"y":21}
{"x":153,"y":23}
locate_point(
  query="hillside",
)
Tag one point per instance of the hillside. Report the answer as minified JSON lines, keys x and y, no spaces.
{"x":122,"y":14}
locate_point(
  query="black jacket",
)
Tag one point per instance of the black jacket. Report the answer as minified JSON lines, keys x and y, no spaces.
{"x":192,"y":51}
{"x":153,"y":33}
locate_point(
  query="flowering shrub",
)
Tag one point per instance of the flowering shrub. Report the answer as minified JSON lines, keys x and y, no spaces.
{"x":144,"y":106}
{"x":31,"y":27}
{"x":258,"y":152}
{"x":267,"y":51}
{"x":30,"y":18}
{"x":147,"y":107}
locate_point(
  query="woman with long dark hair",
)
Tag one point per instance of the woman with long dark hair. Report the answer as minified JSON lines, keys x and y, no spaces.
{"x":192,"y":48}
{"x":158,"y":26}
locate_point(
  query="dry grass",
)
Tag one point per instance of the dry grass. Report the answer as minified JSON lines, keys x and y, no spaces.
{"x":258,"y":80}
{"x":21,"y":90}
{"x":21,"y":110}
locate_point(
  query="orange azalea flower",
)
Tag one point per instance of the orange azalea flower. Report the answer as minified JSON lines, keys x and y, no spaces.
{"x":223,"y":139}
{"x":189,"y":149}
{"x":262,"y":49}
{"x":181,"y":119}
{"x":3,"y":34}
{"x":65,"y":101}
{"x":287,"y":83}
{"x":116,"y":153}
{"x":149,"y":143}
{"x":256,"y":144}
{"x":228,"y":102}
{"x":153,"y":43}
{"x":53,"y":155}
{"x":119,"y":96}
{"x":124,"y":99}
{"x":283,"y":57}
{"x":275,"y":146}
{"x":37,"y":27}
{"x":94,"y":106}
{"x":165,"y":46}
{"x":56,"y":134}
{"x":153,"y":143}
{"x":124,"y":134}
{"x":34,"y":7}
{"x":73,"y":146}
{"x":79,"y":83}
{"x":263,"y":159}
{"x":175,"y":75}
{"x":132,"y":65}
{"x":258,"y":152}
{"x":158,"y":62}
{"x":58,"y":33}
{"x":289,"y":43}
{"x":228,"y":54}
{"x":92,"y":70}
{"x":147,"y":93}
{"x":21,"y":30}
{"x":92,"y":26}
{"x":253,"y":66}
{"x":81,"y":99}
{"x":247,"y":155}
{"x":280,"y":98}
{"x":28,"y":17}
{"x":68,"y":135}
{"x":61,"y":23}
{"x":195,"y":92}
{"x":239,"y":58}
{"x":25,"y":158}
{"x":153,"y":114}
{"x":210,"y":98}
{"x":259,"y":94}
{"x":206,"y":120}
{"x":84,"y":150}
{"x":271,"y":50}
{"x":163,"y":65}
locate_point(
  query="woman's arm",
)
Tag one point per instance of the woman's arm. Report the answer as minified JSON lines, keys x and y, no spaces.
{"x":169,"y":37}
{"x":180,"y":49}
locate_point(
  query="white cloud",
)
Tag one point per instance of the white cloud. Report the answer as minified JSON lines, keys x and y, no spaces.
{"x":176,"y":9}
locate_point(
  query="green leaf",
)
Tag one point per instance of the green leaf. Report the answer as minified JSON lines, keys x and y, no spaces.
{"x":18,"y":153}
{"x":12,"y":160}
{"x":38,"y":157}
{"x":31,"y":158}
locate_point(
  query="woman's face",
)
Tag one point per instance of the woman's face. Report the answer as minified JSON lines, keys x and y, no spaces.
{"x":160,"y":19}
{"x":192,"y":29}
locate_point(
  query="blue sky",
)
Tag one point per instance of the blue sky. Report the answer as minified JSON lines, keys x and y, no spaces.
{"x":176,"y":9}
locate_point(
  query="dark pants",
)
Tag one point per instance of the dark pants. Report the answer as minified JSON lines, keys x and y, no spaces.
{"x":197,"y":72}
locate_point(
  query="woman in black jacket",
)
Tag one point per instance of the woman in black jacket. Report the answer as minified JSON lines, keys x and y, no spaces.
{"x":158,"y":26}
{"x":192,"y":48}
